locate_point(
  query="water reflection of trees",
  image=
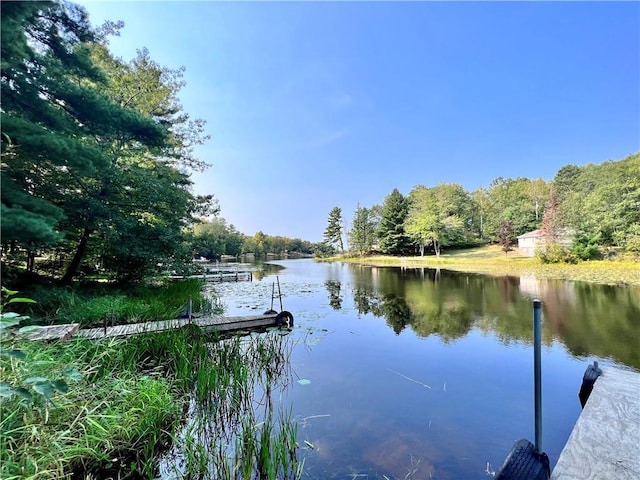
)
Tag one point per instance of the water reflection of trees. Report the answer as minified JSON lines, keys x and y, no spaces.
{"x":590,"y":319}
{"x":335,"y":297}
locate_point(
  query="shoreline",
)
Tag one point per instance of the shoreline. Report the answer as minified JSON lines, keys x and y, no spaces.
{"x":491,"y":261}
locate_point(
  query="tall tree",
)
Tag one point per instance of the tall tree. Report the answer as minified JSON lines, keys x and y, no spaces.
{"x":439,"y":216}
{"x":54,"y":115}
{"x":516,"y":200}
{"x":333,"y":232}
{"x":552,"y":227}
{"x":97,"y":149}
{"x":601,"y":201}
{"x":362,"y":232}
{"x":393,"y":238}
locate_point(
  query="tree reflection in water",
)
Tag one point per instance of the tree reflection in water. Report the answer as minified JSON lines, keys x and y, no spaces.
{"x":589,"y":319}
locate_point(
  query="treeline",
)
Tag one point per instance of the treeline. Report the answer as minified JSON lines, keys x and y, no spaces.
{"x":597,"y":205}
{"x":215,"y":238}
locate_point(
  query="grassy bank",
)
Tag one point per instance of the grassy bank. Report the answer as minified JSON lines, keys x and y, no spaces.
{"x":491,"y":260}
{"x":125,"y":402}
{"x":91,"y":304}
{"x":109,"y":408}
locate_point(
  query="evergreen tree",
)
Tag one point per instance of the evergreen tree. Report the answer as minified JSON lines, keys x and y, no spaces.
{"x":393,"y":238}
{"x":96,"y":152}
{"x":362,"y":233}
{"x":333,"y":232}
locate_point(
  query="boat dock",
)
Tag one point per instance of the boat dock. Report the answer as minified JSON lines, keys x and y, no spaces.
{"x":605,"y":441}
{"x":220,"y":324}
{"x":220,"y":276}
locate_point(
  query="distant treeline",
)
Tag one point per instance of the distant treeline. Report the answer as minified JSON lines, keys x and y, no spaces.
{"x":212,"y":239}
{"x":597,"y":205}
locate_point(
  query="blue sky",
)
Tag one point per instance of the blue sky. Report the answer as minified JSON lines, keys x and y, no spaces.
{"x":313,"y":105}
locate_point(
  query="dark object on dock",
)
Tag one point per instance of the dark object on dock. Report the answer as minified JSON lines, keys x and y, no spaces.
{"x":588,"y":380}
{"x":527,"y":461}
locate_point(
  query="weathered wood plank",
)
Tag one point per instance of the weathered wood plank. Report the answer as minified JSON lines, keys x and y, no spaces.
{"x":52,"y":332}
{"x":605,"y":442}
{"x":218,"y":323}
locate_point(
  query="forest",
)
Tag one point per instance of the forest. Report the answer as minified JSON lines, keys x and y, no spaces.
{"x":97,"y":157}
{"x":597,"y":205}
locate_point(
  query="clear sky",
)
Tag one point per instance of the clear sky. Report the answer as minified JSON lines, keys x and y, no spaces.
{"x":313,"y":105}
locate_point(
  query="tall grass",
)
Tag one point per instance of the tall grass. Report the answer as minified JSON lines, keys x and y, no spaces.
{"x":103,"y":417}
{"x":234,"y":433}
{"x":129,"y":406}
{"x":93,"y":305}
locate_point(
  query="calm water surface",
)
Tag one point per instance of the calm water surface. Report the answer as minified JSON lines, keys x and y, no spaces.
{"x":420,"y":374}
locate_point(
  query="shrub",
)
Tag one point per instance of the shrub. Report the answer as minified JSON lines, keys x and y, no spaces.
{"x":555,"y":253}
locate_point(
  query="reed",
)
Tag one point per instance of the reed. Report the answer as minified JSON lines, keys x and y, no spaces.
{"x":93,"y":304}
{"x":127,"y":403}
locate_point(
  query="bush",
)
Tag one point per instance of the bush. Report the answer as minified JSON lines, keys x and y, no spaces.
{"x":585,"y":246}
{"x":555,"y":253}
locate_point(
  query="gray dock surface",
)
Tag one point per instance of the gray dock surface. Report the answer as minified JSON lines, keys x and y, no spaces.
{"x":605,"y":441}
{"x":221,"y":324}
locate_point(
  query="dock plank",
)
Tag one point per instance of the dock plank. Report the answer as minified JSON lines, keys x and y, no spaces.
{"x":52,"y":332}
{"x":605,"y":441}
{"x":213,"y":322}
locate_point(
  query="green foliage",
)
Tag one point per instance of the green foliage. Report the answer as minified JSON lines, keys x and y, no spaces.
{"x":602,"y":200}
{"x":333,"y":232}
{"x":212,"y":239}
{"x":555,"y":253}
{"x":585,"y":246}
{"x":93,"y":306}
{"x":391,"y":231}
{"x":26,"y":386}
{"x":519,"y":201}
{"x":362,"y":234}
{"x":439,"y":216}
{"x":96,"y":152}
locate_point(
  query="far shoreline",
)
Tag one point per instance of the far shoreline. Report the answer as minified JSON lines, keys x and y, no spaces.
{"x":492,"y":261}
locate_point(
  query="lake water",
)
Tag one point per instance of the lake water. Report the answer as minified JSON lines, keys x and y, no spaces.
{"x":420,"y":374}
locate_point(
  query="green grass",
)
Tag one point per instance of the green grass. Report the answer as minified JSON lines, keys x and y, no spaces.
{"x":491,"y":260}
{"x":93,"y":305}
{"x":129,"y":401}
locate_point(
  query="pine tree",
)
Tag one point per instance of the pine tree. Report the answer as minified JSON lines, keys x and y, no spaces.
{"x":362,"y":233}
{"x":333,"y":232}
{"x":393,"y":238}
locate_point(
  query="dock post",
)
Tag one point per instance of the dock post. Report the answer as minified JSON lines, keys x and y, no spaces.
{"x":537,"y":372}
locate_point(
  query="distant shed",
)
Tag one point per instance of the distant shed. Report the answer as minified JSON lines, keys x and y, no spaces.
{"x":527,"y":243}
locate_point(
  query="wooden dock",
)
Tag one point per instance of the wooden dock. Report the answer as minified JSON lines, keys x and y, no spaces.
{"x":213,"y":323}
{"x":220,"y":276}
{"x":221,"y":324}
{"x":605,"y":442}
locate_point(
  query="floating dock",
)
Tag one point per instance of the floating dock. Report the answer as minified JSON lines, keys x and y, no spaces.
{"x":605,"y":441}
